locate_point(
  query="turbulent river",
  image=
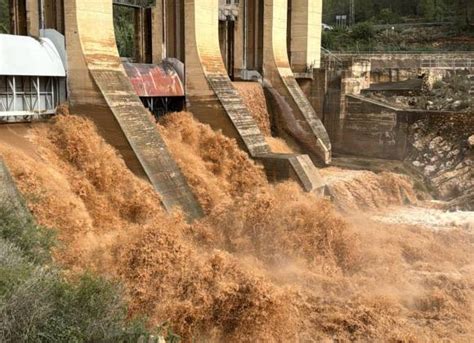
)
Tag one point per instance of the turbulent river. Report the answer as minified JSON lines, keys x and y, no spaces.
{"x":268,"y":262}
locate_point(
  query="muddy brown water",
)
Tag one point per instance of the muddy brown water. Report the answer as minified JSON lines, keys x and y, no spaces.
{"x":267,"y":263}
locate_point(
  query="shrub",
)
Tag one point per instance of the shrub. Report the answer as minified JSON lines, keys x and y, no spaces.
{"x":34,"y":241}
{"x":327,"y":40}
{"x":124,"y":30}
{"x":459,"y":83}
{"x":38,"y":304}
{"x":363,"y":32}
{"x":438,"y":84}
{"x":4,"y":16}
{"x":386,"y":16}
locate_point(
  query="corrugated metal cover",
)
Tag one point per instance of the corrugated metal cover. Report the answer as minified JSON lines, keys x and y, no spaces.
{"x":151,"y":80}
{"x":27,"y":56}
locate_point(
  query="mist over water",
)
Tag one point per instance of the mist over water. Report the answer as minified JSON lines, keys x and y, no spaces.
{"x":268,"y":262}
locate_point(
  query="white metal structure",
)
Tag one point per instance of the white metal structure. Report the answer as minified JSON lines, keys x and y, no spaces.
{"x":31,"y":75}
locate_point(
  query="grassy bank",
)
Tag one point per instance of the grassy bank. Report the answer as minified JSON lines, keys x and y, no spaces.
{"x":38,"y":303}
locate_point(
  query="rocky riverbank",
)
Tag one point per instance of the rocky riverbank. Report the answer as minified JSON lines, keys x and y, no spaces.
{"x":442,"y":150}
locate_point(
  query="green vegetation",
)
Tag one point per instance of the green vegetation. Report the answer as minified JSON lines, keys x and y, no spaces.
{"x":401,"y":25}
{"x":38,"y":304}
{"x":124,"y":30}
{"x":390,"y":11}
{"x":359,"y":38}
{"x":367,"y":37}
{"x":4,"y":17}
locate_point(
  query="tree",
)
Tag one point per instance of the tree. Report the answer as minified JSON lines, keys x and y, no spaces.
{"x":4,"y":16}
{"x":363,"y":32}
{"x":428,"y":9}
{"x":464,"y":10}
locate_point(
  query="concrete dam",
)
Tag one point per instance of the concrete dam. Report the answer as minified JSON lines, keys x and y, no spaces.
{"x":197,"y":46}
{"x":205,"y":171}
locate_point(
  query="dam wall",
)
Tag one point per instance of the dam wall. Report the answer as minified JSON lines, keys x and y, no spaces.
{"x":374,"y":129}
{"x":213,"y":99}
{"x":299,"y":119}
{"x":100,"y":90}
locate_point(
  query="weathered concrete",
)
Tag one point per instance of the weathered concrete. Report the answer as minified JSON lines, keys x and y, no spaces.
{"x":239,"y":42}
{"x":412,"y":86}
{"x":100,"y":89}
{"x":371,"y":129}
{"x":54,"y":15}
{"x":341,"y":78}
{"x":211,"y":96}
{"x":157,"y":36}
{"x":301,"y":121}
{"x":374,"y":129}
{"x":315,"y":90}
{"x":174,"y":29}
{"x":305,"y":47}
{"x":26,"y":19}
{"x":452,"y":61}
{"x":394,"y":67}
{"x":213,"y":99}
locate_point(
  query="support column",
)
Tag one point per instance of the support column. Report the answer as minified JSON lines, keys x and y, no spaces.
{"x":49,"y":12}
{"x":24,"y":17}
{"x":18,"y":24}
{"x":158,"y":34}
{"x":297,"y":117}
{"x":211,"y":96}
{"x":306,"y":21}
{"x":169,"y":8}
{"x":179,"y":29}
{"x":139,"y":26}
{"x":249,"y":32}
{"x":32,"y":17}
{"x":240,"y":40}
{"x":60,"y":16}
{"x":174,"y":28}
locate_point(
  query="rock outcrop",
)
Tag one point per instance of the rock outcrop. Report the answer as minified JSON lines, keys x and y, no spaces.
{"x":441,"y":149}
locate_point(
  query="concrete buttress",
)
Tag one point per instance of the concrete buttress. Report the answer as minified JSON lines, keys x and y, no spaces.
{"x":305,"y":47}
{"x":298,"y":117}
{"x":211,"y":96}
{"x":100,"y":90}
{"x":214,"y":100}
